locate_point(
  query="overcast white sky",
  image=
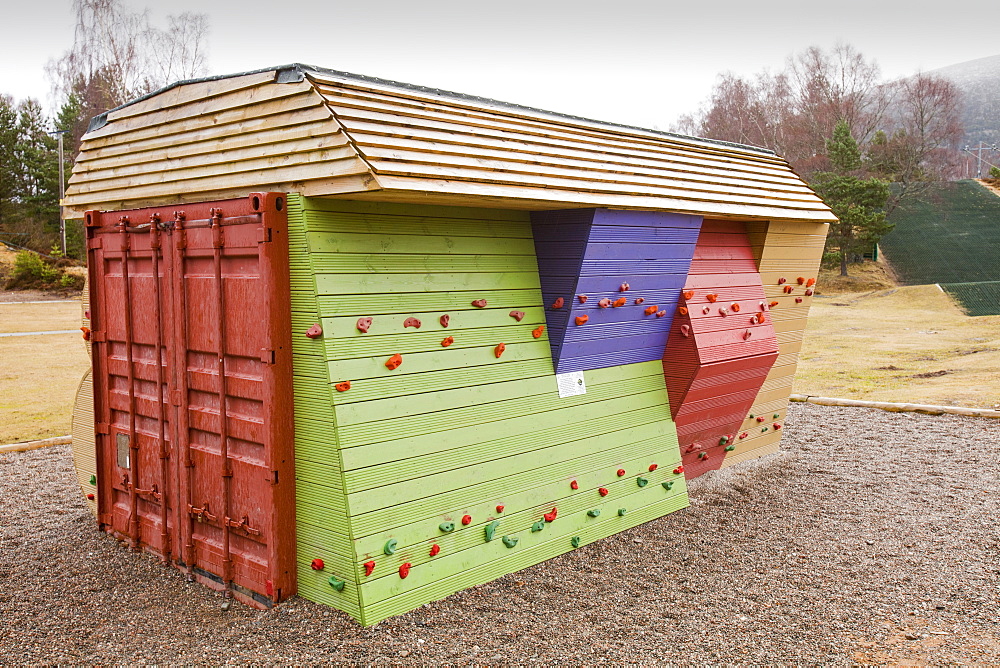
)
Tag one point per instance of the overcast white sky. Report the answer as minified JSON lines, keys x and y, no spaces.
{"x":639,"y":62}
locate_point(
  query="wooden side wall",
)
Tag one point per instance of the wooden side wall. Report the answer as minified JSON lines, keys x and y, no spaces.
{"x":458,"y":443}
{"x":786,"y":250}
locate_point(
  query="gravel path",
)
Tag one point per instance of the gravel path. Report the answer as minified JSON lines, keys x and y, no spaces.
{"x":872,"y":538}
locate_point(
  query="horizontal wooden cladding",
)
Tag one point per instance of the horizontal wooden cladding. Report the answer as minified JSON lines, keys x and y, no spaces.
{"x":188,"y":93}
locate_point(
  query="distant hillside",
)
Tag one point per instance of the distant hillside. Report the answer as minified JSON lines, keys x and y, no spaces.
{"x":979,"y":81}
{"x":952,"y":238}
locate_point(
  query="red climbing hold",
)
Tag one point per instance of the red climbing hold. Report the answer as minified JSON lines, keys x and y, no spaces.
{"x":621,"y":472}
{"x":800,"y":280}
{"x":551,"y":517}
{"x":639,"y":300}
{"x":90,"y":496}
{"x":679,"y":469}
{"x":788,"y":289}
{"x":809,"y":293}
{"x":447,"y":341}
{"x":558,"y":303}
{"x":624,"y":287}
{"x":603,"y":491}
{"x":411,"y":322}
{"x":660,"y":314}
{"x":688,"y":294}
{"x":582,"y":319}
{"x":498,"y":351}
{"x":500,"y":508}
{"x":746,"y":334}
{"x":517,"y":315}
{"x":538,"y":331}
{"x":479,"y":303}
{"x":466,"y":520}
{"x":682,"y":310}
{"x":604,"y":303}
{"x":317,"y":565}
{"x":621,"y":301}
{"x":393,"y":362}
{"x":314,"y":332}
{"x":573,"y":484}
{"x":653,"y":467}
{"x":744,"y":435}
{"x":776,"y":425}
{"x":773,"y":304}
{"x":735,"y":307}
{"x":444,"y":320}
{"x":582,"y":298}
{"x":369,"y":567}
{"x":404,"y":570}
{"x":763,"y":306}
{"x":343,"y":387}
{"x":798,"y":300}
{"x":781,"y":281}
{"x":711,"y":297}
{"x":364,"y":324}
{"x":650,"y":310}
{"x":435,"y":549}
{"x":760,"y":418}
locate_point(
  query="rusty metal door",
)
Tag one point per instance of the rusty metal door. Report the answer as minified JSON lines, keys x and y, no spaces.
{"x":192,"y":388}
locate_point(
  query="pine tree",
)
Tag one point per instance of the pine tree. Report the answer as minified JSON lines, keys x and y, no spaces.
{"x":858,"y":203}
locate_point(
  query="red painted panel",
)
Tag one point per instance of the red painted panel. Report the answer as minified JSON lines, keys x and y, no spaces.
{"x":720,"y":351}
{"x":192,"y":372}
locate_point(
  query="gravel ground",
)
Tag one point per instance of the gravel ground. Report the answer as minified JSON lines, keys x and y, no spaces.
{"x":871,"y":538}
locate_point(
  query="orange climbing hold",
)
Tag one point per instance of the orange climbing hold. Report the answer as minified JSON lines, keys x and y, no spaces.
{"x":735,"y":307}
{"x":582,"y":319}
{"x":773,"y":304}
{"x":498,"y":351}
{"x":811,"y":282}
{"x":479,"y":303}
{"x":688,"y":294}
{"x":800,"y":280}
{"x":393,"y":362}
{"x":582,"y":298}
{"x":447,"y":341}
{"x":343,"y":387}
{"x":517,"y":315}
{"x":558,"y":303}
{"x":538,"y":331}
{"x":712,"y":297}
{"x":621,"y":301}
{"x":650,"y":310}
{"x":314,"y":332}
{"x":682,"y":310}
{"x":86,"y":333}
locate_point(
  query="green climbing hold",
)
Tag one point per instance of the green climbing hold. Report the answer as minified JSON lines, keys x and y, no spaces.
{"x":668,"y":484}
{"x":491,"y":529}
{"x":621,"y":512}
{"x":723,"y":440}
{"x":642,"y":482}
{"x":776,"y":416}
{"x":537,"y":526}
{"x":338,"y":585}
{"x":390,"y":546}
{"x":595,"y":512}
{"x":510,"y":541}
{"x":763,"y":429}
{"x":447,"y":527}
{"x":575,"y":541}
{"x":702,"y":455}
{"x":752,"y":415}
{"x":730,"y":448}
{"x":93,"y":480}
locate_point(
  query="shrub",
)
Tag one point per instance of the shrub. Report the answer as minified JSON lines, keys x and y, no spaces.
{"x":31,"y":271}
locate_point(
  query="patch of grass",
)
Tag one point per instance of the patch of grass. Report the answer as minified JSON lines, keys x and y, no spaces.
{"x":863,"y":277}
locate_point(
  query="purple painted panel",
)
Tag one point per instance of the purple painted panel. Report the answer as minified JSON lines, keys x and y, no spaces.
{"x":593,"y":252}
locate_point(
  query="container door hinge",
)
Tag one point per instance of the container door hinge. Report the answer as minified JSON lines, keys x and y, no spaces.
{"x":98,"y":336}
{"x":267,"y":356}
{"x":95,"y":242}
{"x":102,"y":428}
{"x":273,"y":478}
{"x":263,"y":235}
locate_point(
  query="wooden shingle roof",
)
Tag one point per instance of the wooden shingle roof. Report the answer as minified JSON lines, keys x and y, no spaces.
{"x":333,"y":134}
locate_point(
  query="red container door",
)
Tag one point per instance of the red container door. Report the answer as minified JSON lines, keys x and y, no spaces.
{"x":192,"y":378}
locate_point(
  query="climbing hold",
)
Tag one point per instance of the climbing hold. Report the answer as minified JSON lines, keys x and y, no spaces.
{"x":363,"y":324}
{"x":581,"y":319}
{"x":776,"y":416}
{"x":642,"y":482}
{"x":620,"y":472}
{"x":624,"y":287}
{"x":500,"y":508}
{"x":763,"y":429}
{"x":800,"y":280}
{"x":746,"y":334}
{"x":594,"y":513}
{"x":660,"y":314}
{"x":603,"y":491}
{"x":369,"y":567}
{"x":575,"y":541}
{"x":466,"y":520}
{"x":669,"y":484}
{"x":93,"y":479}
{"x":711,"y":297}
{"x":404,"y":570}
{"x":760,"y":418}
{"x":517,"y":315}
{"x":639,"y":300}
{"x":551,"y":517}
{"x":811,"y":282}
{"x":809,"y":292}
{"x":538,"y":331}
{"x":317,"y":565}
{"x":723,"y":440}
{"x":411,"y":322}
{"x":788,"y":289}
{"x":337,"y":584}
{"x":90,"y":497}
{"x":735,"y":307}
{"x":86,"y":333}
{"x":314,"y":332}
{"x":679,"y":469}
{"x":729,"y":448}
{"x":776,"y":425}
{"x":650,"y":310}
{"x":702,"y":455}
{"x":653,"y":467}
{"x":688,"y":294}
{"x":343,"y":387}
{"x":444,"y":320}
{"x":744,"y":435}
{"x":393,"y":362}
{"x":621,"y":301}
{"x":573,"y":484}
{"x":682,"y":310}
{"x":621,"y":512}
{"x":509,"y":541}
{"x":763,"y":306}
{"x":558,"y":303}
{"x":491,"y":529}
{"x":498,"y":351}
{"x":435,"y":549}
{"x":390,"y":546}
{"x":773,"y":304}
{"x":723,"y":311}
{"x":604,"y":303}
{"x":781,"y":281}
{"x":706,"y":310}
{"x":479,"y":303}
{"x":582,"y":298}
{"x":537,"y":526}
{"x":447,"y":341}
{"x":447,"y":527}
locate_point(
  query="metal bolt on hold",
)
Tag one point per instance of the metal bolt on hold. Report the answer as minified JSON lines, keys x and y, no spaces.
{"x":364,"y":324}
{"x":706,"y":310}
{"x":404,"y":570}
{"x":336,"y":583}
{"x":369,"y":567}
{"x":510,"y":541}
{"x":491,"y":529}
{"x":517,"y":315}
{"x":575,"y":541}
{"x":390,"y":546}
{"x":558,"y":303}
{"x":595,"y":512}
{"x":447,"y":527}
{"x":641,"y":482}
{"x":435,"y":549}
{"x":393,"y":362}
{"x":538,"y":331}
{"x":317,"y":565}
{"x":314,"y":332}
{"x":723,"y":312}
{"x":479,"y":303}
{"x":621,"y":512}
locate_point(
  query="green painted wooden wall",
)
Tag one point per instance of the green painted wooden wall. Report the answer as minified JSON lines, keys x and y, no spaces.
{"x":405,"y":454}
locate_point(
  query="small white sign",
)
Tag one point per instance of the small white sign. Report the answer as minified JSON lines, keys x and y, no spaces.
{"x":571,"y":384}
